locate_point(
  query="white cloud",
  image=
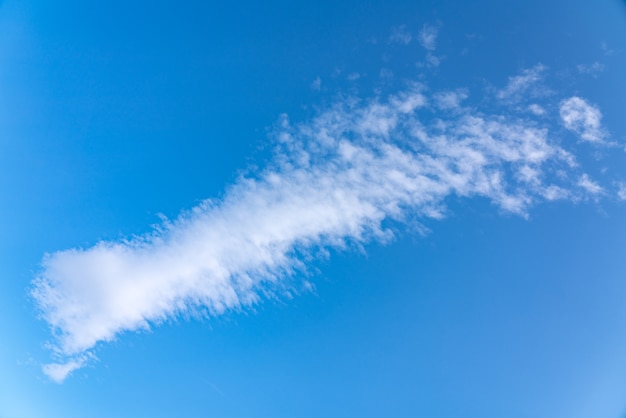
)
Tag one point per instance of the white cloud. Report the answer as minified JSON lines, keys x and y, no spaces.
{"x":427,"y":37}
{"x":621,"y":192}
{"x":432,"y":60}
{"x":594,"y":68}
{"x":400,"y":35}
{"x":582,"y":118}
{"x":448,"y":100}
{"x":589,"y":185}
{"x":536,"y":109}
{"x":343,"y":178}
{"x":555,"y":193}
{"x":523,"y":85}
{"x":58,"y":372}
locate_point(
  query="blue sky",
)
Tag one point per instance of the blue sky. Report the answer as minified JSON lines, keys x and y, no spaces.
{"x":333,"y":209}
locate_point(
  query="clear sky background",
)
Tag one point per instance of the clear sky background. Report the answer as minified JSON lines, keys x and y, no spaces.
{"x":405,"y":295}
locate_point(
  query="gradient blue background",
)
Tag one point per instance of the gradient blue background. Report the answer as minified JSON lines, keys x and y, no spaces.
{"x":112,"y":113}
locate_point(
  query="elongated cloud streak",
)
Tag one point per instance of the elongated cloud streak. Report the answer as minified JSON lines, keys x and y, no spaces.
{"x":519,"y":86}
{"x":345,"y":177}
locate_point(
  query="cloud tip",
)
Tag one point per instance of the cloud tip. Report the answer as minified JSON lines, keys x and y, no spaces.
{"x":58,"y":372}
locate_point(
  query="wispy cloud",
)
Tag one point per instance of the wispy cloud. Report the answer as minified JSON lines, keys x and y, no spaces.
{"x":536,"y":109}
{"x":448,"y":100}
{"x":594,"y":68}
{"x":605,"y":48}
{"x":523,"y":85}
{"x":401,"y":35}
{"x":344,"y":178}
{"x":427,"y":37}
{"x":621,"y":191}
{"x":430,"y":61}
{"x":589,"y":185}
{"x":582,"y":118}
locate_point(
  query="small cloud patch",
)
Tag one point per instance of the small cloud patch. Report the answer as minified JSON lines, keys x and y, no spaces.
{"x":582,"y":118}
